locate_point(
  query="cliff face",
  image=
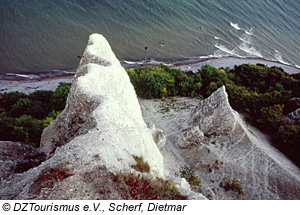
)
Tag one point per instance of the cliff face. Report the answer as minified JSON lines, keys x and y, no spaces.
{"x":233,"y":149}
{"x":103,"y":111}
{"x":100,"y":131}
{"x":214,"y":139}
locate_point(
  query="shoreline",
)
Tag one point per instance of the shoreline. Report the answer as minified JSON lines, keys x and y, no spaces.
{"x":231,"y":61}
{"x":28,"y":83}
{"x":31,"y":85}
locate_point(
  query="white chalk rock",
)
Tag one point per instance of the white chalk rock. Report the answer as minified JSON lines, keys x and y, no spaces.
{"x":158,"y":136}
{"x":219,"y":138}
{"x":100,"y":127}
{"x":103,"y":113}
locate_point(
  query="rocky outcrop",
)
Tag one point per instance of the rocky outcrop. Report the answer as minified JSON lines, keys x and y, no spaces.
{"x":212,"y":121}
{"x":17,"y":158}
{"x":158,"y":136}
{"x":99,"y":132}
{"x":213,"y":138}
{"x":295,"y":115}
{"x":102,"y":108}
{"x":232,"y":149}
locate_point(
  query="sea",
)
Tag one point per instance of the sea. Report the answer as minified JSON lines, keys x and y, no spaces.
{"x":40,"y":36}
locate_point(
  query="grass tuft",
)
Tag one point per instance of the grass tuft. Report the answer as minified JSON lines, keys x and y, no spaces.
{"x":141,"y":165}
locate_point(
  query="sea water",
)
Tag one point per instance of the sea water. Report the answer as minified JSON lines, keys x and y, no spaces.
{"x":50,"y":35}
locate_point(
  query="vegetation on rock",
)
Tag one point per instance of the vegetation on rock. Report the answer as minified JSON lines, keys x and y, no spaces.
{"x":233,"y":185}
{"x":51,"y":176}
{"x":141,"y":165}
{"x":189,"y":174}
{"x":141,"y":188}
{"x":260,"y":93}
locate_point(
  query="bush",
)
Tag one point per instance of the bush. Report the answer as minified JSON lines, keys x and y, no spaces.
{"x":141,"y":165}
{"x":189,"y":174}
{"x":23,"y":117}
{"x":40,"y":104}
{"x":212,"y":79}
{"x":53,"y":114}
{"x":270,"y":116}
{"x":59,"y":97}
{"x":142,"y":188}
{"x":28,"y":129}
{"x":20,"y":107}
{"x":233,"y":185}
{"x":9,"y":99}
{"x":287,"y":140}
{"x":162,"y":81}
{"x":23,"y":129}
{"x":6,"y":127}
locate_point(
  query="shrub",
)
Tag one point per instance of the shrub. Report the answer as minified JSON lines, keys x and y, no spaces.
{"x":59,"y":97}
{"x":287,"y":140}
{"x":141,"y":188}
{"x":9,"y":99}
{"x":233,"y":185}
{"x":40,"y":104}
{"x":28,"y":129}
{"x":212,"y":79}
{"x":53,"y":114}
{"x":189,"y":174}
{"x":6,"y":127}
{"x":20,"y":107}
{"x":162,"y":81}
{"x":141,"y":165}
{"x":270,"y":116}
{"x":23,"y":129}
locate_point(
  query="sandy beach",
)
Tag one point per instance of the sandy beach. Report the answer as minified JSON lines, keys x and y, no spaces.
{"x":231,"y":62}
{"x":51,"y":83}
{"x":29,"y":86}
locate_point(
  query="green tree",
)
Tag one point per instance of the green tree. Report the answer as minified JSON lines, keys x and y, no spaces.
{"x":270,"y":116}
{"x":59,"y":97}
{"x":9,"y":99}
{"x":28,"y":129}
{"x":20,"y":107}
{"x":287,"y":140}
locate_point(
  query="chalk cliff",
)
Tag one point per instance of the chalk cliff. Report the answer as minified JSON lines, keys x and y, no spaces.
{"x":214,"y":139}
{"x":102,"y":111}
{"x":236,"y":150}
{"x":98,"y":133}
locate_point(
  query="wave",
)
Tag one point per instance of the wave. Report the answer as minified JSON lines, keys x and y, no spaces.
{"x":250,"y":50}
{"x":226,"y":50}
{"x":208,"y":56}
{"x":22,"y":75}
{"x":278,"y":57}
{"x":132,"y":62}
{"x":244,"y":40}
{"x":244,"y":49}
{"x":144,"y":62}
{"x":236,"y":26}
{"x":248,"y":32}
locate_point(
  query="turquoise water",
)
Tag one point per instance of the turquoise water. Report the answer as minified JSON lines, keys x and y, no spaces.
{"x":40,"y":36}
